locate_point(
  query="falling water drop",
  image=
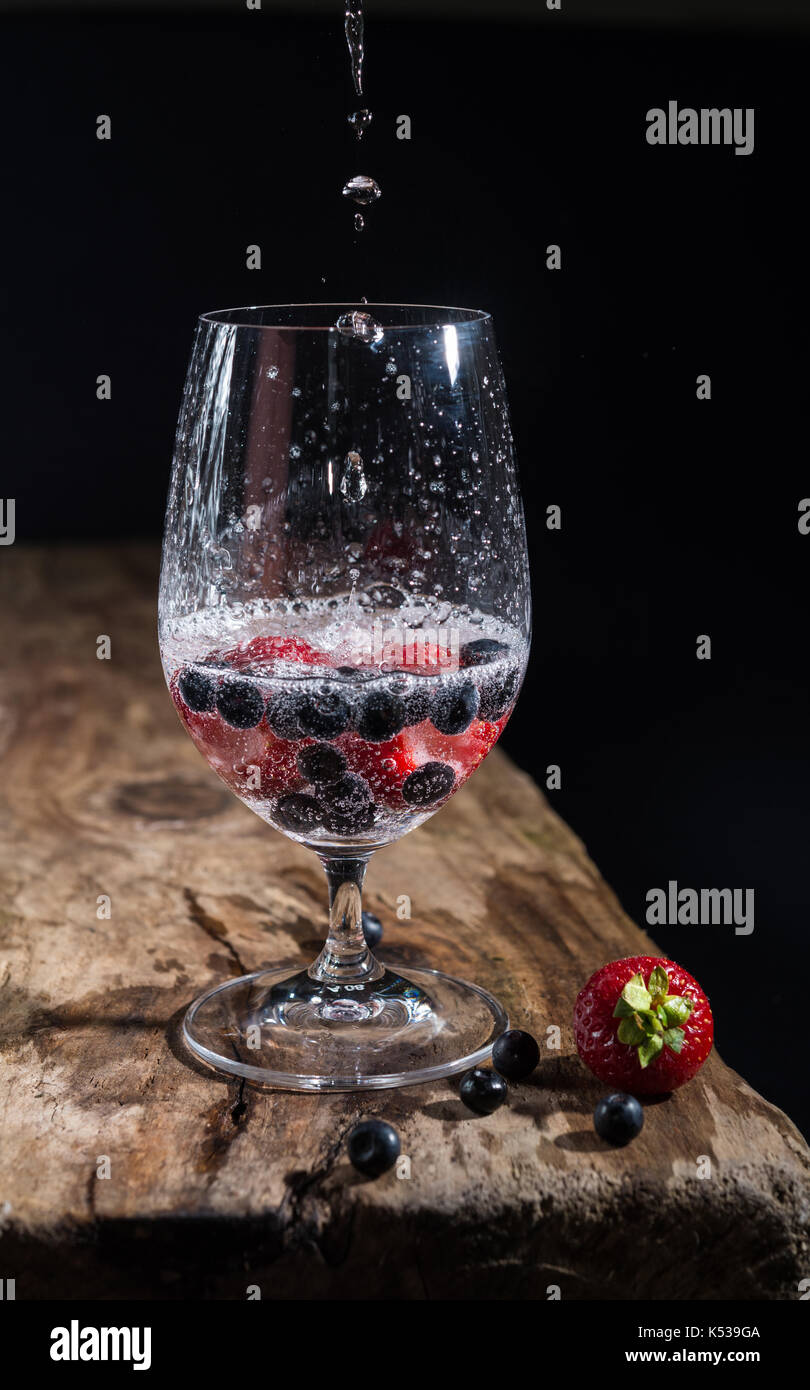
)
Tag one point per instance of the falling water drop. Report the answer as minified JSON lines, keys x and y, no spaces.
{"x":354,"y":484}
{"x":360,"y":121}
{"x":359,"y":223}
{"x":354,"y":40}
{"x":362,"y":190}
{"x":359,"y":325}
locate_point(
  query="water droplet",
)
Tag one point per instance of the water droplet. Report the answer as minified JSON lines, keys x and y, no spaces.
{"x":295,"y":451}
{"x":296,"y":391}
{"x":360,"y":325}
{"x":362,"y":189}
{"x":272,"y":373}
{"x":360,"y":122}
{"x":354,"y":40}
{"x":391,"y":367}
{"x":354,"y":483}
{"x":359,"y":223}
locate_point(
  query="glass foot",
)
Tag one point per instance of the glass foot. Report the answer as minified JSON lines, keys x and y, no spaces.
{"x":298,"y":1033}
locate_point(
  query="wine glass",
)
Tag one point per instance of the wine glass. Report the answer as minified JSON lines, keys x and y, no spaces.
{"x":344,"y":628}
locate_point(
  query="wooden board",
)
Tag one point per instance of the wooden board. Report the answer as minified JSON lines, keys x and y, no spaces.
{"x":213,"y":1186}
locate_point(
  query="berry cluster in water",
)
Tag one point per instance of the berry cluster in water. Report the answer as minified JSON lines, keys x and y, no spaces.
{"x":324,"y":751}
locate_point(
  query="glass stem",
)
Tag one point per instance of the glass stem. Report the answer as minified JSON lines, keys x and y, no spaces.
{"x":345,"y":958}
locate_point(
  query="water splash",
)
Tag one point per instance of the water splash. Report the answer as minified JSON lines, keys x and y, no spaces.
{"x":357,"y":324}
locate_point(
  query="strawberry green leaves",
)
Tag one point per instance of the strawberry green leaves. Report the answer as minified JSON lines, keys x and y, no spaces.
{"x":659,"y":982}
{"x":650,"y":1016}
{"x":635,"y":995}
{"x":676,"y":1010}
{"x":649,"y":1050}
{"x":631,"y":1031}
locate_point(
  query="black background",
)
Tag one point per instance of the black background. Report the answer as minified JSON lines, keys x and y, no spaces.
{"x":679,"y":516}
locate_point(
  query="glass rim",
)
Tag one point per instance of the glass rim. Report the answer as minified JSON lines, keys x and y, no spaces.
{"x":453,"y":315}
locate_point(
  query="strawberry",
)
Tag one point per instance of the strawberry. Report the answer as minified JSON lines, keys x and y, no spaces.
{"x":643,"y":1025}
{"x":386,"y":765}
{"x":265,"y":651}
{"x":274,"y":772}
{"x":383,"y":765}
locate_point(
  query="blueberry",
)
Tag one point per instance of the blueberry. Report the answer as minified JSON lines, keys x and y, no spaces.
{"x":347,"y":805}
{"x":419,"y":701}
{"x":427,"y":784}
{"x":498,"y":694}
{"x":455,"y":708}
{"x":383,"y":715}
{"x":372,"y":929}
{"x":324,"y":713}
{"x":346,"y":793}
{"x":480,"y":652}
{"x":618,"y":1119}
{"x":373,"y":1147}
{"x":515,"y":1054}
{"x":321,"y":763}
{"x":282,"y":715}
{"x":298,"y":811}
{"x":482,"y":1090}
{"x":240,"y":704}
{"x":197,"y":689}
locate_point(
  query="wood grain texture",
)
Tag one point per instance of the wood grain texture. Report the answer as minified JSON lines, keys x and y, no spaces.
{"x":217,"y":1186}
